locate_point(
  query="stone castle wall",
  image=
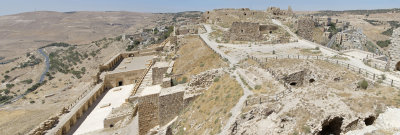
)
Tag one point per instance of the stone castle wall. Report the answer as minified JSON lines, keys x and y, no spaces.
{"x":158,"y":74}
{"x":170,"y":107}
{"x":394,"y":51}
{"x":305,"y":27}
{"x":148,"y":113}
{"x":245,"y":31}
{"x":226,"y":15}
{"x":130,"y":77}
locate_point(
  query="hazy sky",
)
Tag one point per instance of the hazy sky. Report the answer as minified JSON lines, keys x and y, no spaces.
{"x":18,"y":6}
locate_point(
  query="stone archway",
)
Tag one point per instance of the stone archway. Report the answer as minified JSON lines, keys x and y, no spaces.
{"x":397,"y":68}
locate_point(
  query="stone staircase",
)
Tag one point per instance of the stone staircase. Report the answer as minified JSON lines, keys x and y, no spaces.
{"x":147,"y":81}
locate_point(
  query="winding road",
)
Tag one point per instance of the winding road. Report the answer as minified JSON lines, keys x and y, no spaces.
{"x":47,"y":61}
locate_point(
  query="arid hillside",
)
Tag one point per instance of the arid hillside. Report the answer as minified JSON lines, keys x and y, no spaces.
{"x":25,"y":32}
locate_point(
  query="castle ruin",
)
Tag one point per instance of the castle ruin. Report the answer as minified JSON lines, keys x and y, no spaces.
{"x":305,"y":27}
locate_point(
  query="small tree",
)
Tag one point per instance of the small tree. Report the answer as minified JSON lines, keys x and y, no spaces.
{"x":363,"y":84}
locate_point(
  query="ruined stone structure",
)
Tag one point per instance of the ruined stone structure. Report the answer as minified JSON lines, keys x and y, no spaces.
{"x":296,"y":79}
{"x":127,"y":72}
{"x":158,"y":106}
{"x":187,"y":29}
{"x":305,"y":27}
{"x":351,"y":39}
{"x":278,"y":11}
{"x":171,"y":103}
{"x":69,"y":116}
{"x":228,"y":16}
{"x":245,"y":31}
{"x":394,"y":49}
{"x":159,"y":70}
{"x":118,"y":114}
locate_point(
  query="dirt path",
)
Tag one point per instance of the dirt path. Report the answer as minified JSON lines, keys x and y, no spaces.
{"x":237,"y":109}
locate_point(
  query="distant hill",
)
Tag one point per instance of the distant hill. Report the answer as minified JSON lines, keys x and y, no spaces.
{"x":27,"y":31}
{"x":356,"y":12}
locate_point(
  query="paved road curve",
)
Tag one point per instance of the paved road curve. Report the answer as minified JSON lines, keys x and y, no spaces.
{"x":47,"y":60}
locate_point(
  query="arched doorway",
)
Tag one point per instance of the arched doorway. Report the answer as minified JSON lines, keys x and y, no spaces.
{"x":397,"y":68}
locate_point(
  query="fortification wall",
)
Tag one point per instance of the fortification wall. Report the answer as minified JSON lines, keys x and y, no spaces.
{"x":394,"y":50}
{"x":305,"y":27}
{"x":158,"y":74}
{"x":245,"y":31}
{"x":130,"y":77}
{"x":170,"y":106}
{"x":148,"y":113}
{"x":230,"y":15}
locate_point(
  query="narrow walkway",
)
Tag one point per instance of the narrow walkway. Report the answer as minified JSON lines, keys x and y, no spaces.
{"x":237,"y":109}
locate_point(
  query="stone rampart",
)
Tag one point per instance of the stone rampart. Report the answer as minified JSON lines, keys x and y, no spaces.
{"x":148,"y":112}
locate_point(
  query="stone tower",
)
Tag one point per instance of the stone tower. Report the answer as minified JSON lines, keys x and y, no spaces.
{"x":394,"y":51}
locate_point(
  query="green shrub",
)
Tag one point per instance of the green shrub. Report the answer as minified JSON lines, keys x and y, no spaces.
{"x":257,"y":87}
{"x":5,"y":98}
{"x":216,"y":79}
{"x":201,"y":64}
{"x":383,"y":44}
{"x":174,"y":82}
{"x":9,"y":86}
{"x":363,"y":84}
{"x":57,"y":45}
{"x":118,"y":38}
{"x":184,"y":80}
{"x":6,"y":91}
{"x":388,"y":32}
{"x":34,"y":87}
{"x":6,"y":77}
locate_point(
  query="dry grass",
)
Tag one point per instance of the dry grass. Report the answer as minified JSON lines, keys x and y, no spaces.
{"x":338,"y":57}
{"x":217,"y":33}
{"x":312,"y":52}
{"x":266,"y":88}
{"x":282,"y":63}
{"x":209,"y":112}
{"x":196,"y":57}
{"x":21,"y":121}
{"x":302,"y":116}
